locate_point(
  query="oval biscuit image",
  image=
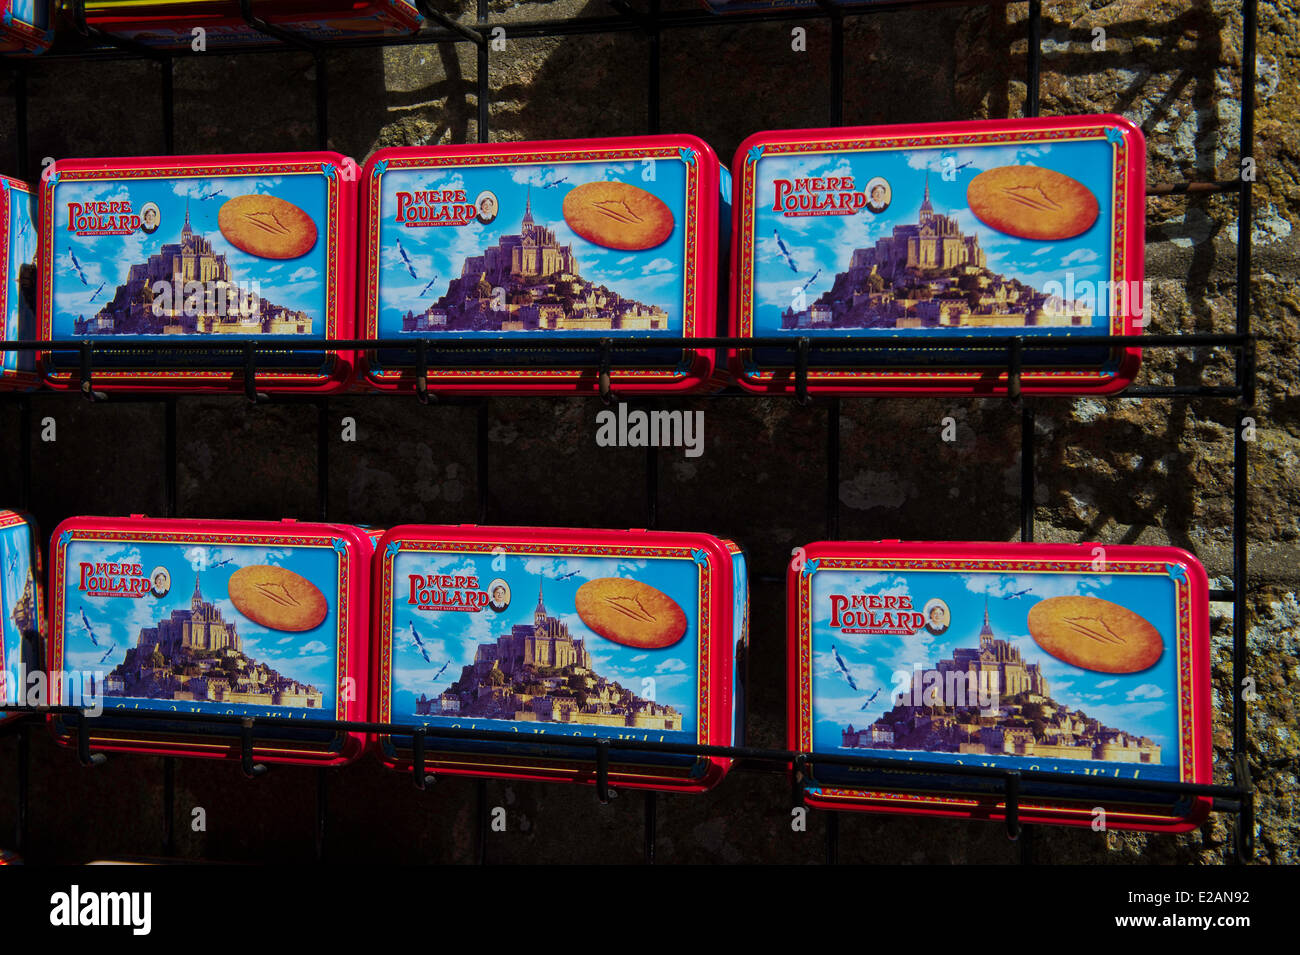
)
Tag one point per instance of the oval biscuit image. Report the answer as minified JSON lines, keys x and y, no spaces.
{"x":631,"y":613}
{"x":618,"y":216}
{"x":1095,"y":634}
{"x":267,"y":227}
{"x":277,"y":598}
{"x":1032,"y":202}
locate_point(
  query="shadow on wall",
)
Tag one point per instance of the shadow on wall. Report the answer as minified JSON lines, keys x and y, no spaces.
{"x":1173,"y":91}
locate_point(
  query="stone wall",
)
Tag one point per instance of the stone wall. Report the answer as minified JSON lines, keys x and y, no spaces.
{"x":1113,"y":470}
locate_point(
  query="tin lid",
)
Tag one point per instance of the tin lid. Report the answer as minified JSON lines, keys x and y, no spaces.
{"x":612,"y":238}
{"x":955,"y":232}
{"x":272,"y":237}
{"x":1093,"y":658}
{"x":273,"y":625}
{"x":22,"y":606}
{"x":592,"y":631}
{"x":17,"y":281}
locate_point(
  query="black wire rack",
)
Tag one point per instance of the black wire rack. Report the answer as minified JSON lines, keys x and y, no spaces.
{"x":85,"y":43}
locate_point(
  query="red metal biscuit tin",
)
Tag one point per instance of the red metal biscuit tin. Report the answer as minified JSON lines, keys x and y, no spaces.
{"x":556,"y":635}
{"x":499,"y":244}
{"x":183,"y":249}
{"x":180,"y":24}
{"x":25,"y":27}
{"x":232,"y":618}
{"x":1079,"y":659}
{"x":17,"y":282}
{"x":22,"y":615}
{"x":929,"y":239}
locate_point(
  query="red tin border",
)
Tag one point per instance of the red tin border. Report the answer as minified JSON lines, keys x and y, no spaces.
{"x":1127,"y":254}
{"x":699,"y":307}
{"x":1193,"y":643}
{"x":340,"y":263}
{"x":713,"y":726}
{"x":353,"y":596}
{"x":398,"y":17}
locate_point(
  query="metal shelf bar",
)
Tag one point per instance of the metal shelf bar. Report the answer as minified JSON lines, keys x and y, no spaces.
{"x":640,"y":342}
{"x":1034,"y":59}
{"x":1244,"y":843}
{"x":482,"y":76}
{"x":243,"y":727}
{"x":448,"y":23}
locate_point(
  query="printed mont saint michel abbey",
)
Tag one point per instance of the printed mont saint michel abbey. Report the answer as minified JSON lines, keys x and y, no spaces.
{"x":1027,"y":721}
{"x":222,"y":308}
{"x":543,"y":291}
{"x":195,"y":655}
{"x":539,"y":672}
{"x":929,"y":274}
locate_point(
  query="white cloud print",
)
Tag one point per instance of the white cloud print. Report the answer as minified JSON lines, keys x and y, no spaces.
{"x":1146,"y":691}
{"x":1080,"y":255}
{"x":1038,"y":585}
{"x":574,"y":173}
{"x":672,"y":665}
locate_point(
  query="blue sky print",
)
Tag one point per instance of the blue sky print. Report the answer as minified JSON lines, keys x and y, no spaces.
{"x":88,"y":269}
{"x":15,"y":572}
{"x":1142,"y":704}
{"x":35,"y":12}
{"x":19,"y":321}
{"x":436,"y":254}
{"x":111,"y":625}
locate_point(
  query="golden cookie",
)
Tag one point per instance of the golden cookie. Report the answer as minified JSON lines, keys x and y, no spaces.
{"x":277,"y":598}
{"x":1095,"y":634}
{"x":1032,"y":202}
{"x":631,"y":613}
{"x":618,"y":216}
{"x":267,"y":227}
